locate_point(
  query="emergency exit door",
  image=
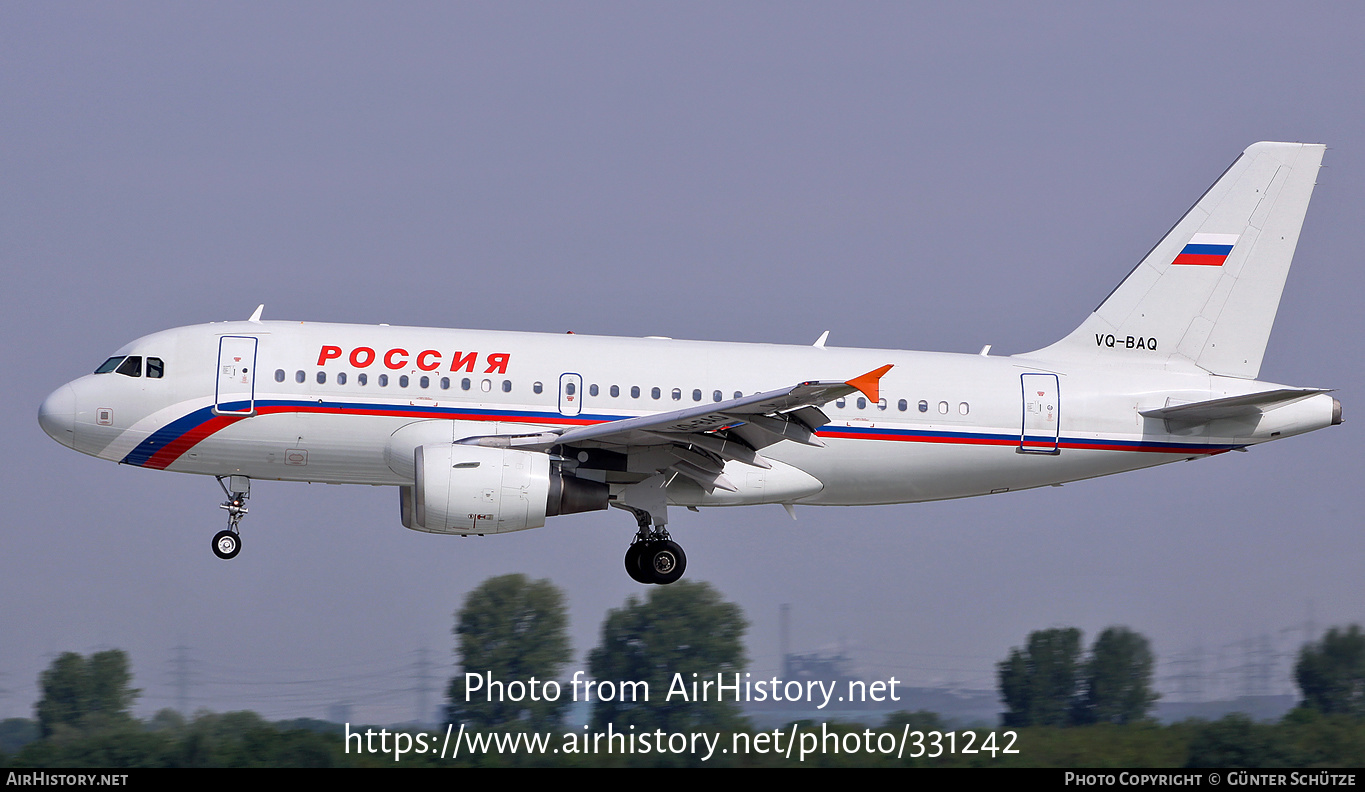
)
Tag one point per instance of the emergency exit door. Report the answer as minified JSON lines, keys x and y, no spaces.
{"x":570,"y":394}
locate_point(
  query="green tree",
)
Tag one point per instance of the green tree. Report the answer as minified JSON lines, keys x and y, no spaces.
{"x":86,"y":693}
{"x":1331,"y":672}
{"x":511,"y":629}
{"x":679,"y":631}
{"x":1117,"y":679}
{"x":15,"y":733}
{"x":1038,"y":683}
{"x":919,"y":720}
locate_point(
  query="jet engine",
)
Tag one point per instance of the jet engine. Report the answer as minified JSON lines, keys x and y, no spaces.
{"x":469,"y":489}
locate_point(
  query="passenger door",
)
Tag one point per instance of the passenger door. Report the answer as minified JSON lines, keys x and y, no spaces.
{"x":1041,"y":425}
{"x":235,"y":391}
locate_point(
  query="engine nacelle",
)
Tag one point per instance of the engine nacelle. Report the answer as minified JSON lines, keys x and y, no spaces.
{"x":464,"y":489}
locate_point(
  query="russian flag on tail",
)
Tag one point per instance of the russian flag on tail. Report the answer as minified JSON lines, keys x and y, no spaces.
{"x":1207,"y":250}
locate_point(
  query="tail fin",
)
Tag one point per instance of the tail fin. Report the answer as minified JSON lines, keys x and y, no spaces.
{"x":1209,"y":290}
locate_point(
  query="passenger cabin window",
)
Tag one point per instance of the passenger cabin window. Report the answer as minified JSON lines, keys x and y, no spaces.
{"x":507,"y":386}
{"x":424,"y":383}
{"x":677,"y":394}
{"x":130,"y":367}
{"x":322,"y":378}
{"x":655,"y":393}
{"x":634,"y":391}
{"x":109,"y":365}
{"x":279,"y":375}
{"x":362,"y":379}
{"x":445,"y":383}
{"x":403,"y":381}
{"x":716,"y":396}
{"x":862,"y":403}
{"x":923,"y":405}
{"x":615,"y":391}
{"x":902,"y":405}
{"x":464,"y":384}
{"x":943,"y":408}
{"x":696,"y":394}
{"x":537,"y":387}
{"x":383,"y":380}
{"x":840,"y":403}
{"x":155,"y":368}
{"x":300,"y":377}
{"x":592,"y":389}
{"x":341,"y":378}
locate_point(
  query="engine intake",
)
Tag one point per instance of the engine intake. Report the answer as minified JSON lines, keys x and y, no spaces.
{"x":464,"y":489}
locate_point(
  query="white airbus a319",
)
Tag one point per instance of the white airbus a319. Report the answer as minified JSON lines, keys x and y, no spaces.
{"x":489,"y":432}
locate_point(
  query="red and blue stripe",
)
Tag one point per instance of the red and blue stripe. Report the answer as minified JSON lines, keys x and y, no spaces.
{"x":165,"y":445}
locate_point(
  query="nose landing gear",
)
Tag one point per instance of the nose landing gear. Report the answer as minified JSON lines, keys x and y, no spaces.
{"x":227,"y":544}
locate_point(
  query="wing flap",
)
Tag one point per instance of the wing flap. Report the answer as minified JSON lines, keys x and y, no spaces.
{"x":727,"y":448}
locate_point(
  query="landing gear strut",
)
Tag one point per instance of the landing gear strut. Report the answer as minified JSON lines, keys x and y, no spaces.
{"x":653,"y":557}
{"x":227,"y":544}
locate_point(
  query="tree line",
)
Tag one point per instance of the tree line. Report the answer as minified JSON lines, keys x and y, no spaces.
{"x":1051,"y":682}
{"x":1066,"y":703}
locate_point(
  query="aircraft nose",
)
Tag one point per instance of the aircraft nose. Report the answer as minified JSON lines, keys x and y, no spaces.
{"x":57,"y":416}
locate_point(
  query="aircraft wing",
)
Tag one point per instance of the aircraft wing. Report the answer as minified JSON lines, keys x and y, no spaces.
{"x":700,"y":440}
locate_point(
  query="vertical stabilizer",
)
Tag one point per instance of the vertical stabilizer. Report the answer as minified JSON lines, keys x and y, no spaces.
{"x":1209,"y":290}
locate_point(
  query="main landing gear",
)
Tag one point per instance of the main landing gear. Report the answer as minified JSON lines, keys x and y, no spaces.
{"x":227,"y":544}
{"x":653,"y":557}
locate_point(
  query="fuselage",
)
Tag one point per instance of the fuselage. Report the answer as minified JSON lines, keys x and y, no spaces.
{"x":322,"y":403}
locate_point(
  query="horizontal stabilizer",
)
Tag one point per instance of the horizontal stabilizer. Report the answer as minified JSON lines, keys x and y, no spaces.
{"x":1233,"y":406}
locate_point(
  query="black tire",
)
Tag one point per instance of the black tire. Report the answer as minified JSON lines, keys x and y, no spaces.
{"x":665,"y":562}
{"x":227,"y":544}
{"x":634,"y":567}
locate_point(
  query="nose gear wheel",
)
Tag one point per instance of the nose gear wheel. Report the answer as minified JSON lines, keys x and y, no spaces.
{"x":227,"y":544}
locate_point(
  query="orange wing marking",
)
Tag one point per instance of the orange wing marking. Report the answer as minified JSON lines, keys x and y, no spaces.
{"x":870,"y":383}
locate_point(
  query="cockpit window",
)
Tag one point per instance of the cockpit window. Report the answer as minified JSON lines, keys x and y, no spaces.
{"x":109,"y":365}
{"x":130,"y":367}
{"x":155,"y":368}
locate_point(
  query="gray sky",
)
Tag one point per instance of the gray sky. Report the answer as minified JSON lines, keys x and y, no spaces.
{"x":936,"y":177}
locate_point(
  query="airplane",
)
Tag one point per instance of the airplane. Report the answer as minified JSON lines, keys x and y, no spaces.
{"x":490,"y":432}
